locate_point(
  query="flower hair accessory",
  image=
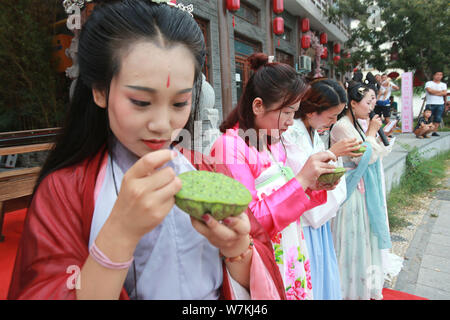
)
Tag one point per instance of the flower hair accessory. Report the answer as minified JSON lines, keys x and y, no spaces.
{"x":188,"y":8}
{"x":67,"y":4}
{"x":361,"y":90}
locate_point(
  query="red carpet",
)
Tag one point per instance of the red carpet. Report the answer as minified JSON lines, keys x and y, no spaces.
{"x":389,"y":294}
{"x":12,"y":230}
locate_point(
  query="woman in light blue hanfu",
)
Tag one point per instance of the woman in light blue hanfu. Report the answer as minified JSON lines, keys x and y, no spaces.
{"x":360,"y":229}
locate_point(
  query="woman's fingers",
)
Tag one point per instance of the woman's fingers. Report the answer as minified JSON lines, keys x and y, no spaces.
{"x":230,"y":229}
{"x":323,"y":157}
{"x":168,"y":191}
{"x":326,"y":168}
{"x":240,"y":224}
{"x":158,"y":179}
{"x":149,"y":163}
{"x":214,"y":231}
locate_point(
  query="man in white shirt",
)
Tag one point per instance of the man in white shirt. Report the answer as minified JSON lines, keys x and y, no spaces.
{"x":435,"y":93}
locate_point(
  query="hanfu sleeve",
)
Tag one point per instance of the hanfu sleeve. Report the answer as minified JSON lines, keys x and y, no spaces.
{"x":344,"y":129}
{"x":265,"y":279}
{"x":54,"y":243}
{"x":276,"y":211}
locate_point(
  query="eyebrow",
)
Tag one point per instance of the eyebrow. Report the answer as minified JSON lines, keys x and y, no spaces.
{"x":290,"y":107}
{"x":152,"y":90}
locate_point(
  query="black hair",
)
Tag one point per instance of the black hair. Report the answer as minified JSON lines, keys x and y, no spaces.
{"x":436,"y":70}
{"x":112,"y":28}
{"x":271,"y":82}
{"x":322,"y":94}
{"x":356,"y":91}
{"x":371,"y":82}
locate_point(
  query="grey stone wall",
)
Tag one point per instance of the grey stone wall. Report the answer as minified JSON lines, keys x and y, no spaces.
{"x":291,"y":46}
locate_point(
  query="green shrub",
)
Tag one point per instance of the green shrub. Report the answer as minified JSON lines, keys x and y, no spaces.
{"x":32,"y":94}
{"x":421,"y":176}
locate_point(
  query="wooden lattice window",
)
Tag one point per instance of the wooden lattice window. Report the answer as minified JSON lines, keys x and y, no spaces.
{"x":204,"y":26}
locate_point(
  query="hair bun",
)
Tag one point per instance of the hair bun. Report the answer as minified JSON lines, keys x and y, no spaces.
{"x":354,"y":85}
{"x":358,"y":76}
{"x":257,"y":60}
{"x":370,"y":78}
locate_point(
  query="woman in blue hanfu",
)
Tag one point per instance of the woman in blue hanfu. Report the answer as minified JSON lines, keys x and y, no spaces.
{"x":360,"y":230}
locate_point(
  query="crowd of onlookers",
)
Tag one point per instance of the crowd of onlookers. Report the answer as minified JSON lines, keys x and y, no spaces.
{"x":436,"y":104}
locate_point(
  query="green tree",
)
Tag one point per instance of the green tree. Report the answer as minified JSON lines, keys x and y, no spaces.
{"x":29,"y":85}
{"x":420,"y":29}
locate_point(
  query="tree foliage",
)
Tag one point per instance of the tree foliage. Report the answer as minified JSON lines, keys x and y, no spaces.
{"x":29,"y":84}
{"x":420,"y":28}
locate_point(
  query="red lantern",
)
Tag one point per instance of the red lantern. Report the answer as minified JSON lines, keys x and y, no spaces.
{"x":278,"y":25}
{"x":324,"y":53}
{"x":278,"y":6}
{"x":306,"y":41}
{"x":336,"y":59}
{"x":233,"y":5}
{"x":347,"y":55}
{"x":337,"y":48}
{"x":323,"y":38}
{"x":305,"y":25}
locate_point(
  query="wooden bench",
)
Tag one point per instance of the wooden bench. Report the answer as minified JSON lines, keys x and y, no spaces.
{"x":18,"y":183}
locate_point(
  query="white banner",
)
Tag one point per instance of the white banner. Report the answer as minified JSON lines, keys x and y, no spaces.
{"x":407,"y":102}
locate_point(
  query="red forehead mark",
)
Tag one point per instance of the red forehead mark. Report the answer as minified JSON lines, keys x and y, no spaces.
{"x":168,"y":81}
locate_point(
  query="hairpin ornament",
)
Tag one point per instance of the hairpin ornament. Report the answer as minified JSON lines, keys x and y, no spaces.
{"x":361,"y":90}
{"x":187,"y":8}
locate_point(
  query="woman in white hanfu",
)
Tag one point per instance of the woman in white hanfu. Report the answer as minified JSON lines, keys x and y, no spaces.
{"x":322,"y":103}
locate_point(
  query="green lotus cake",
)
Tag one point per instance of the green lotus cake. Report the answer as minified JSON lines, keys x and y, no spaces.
{"x":361,"y":149}
{"x":205,"y":191}
{"x":331,"y":178}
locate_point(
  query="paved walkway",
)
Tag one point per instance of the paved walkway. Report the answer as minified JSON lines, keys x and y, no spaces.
{"x":426,"y":269}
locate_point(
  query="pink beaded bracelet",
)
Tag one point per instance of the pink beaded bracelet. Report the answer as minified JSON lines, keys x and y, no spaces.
{"x":103,"y":260}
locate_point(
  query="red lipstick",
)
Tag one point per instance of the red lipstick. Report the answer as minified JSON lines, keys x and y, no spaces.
{"x":155,"y":144}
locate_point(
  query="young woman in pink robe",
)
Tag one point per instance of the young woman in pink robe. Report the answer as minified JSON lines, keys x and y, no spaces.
{"x":102,"y":223}
{"x":251,"y":149}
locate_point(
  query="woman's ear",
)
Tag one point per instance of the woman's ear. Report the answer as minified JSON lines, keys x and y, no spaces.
{"x":258,"y":107}
{"x":310,"y":115}
{"x":353,"y":104}
{"x":99,"y":97}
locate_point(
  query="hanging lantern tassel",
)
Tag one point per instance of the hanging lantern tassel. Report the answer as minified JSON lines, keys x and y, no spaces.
{"x":233,"y":6}
{"x":278,"y":41}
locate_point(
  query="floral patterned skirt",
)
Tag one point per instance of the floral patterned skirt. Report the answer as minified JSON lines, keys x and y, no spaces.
{"x":291,"y":256}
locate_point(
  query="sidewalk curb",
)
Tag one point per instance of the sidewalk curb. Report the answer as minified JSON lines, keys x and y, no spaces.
{"x":407,"y":279}
{"x":394,"y":164}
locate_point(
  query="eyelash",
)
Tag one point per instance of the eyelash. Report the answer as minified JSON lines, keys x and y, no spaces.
{"x":140,"y":103}
{"x":181,"y":104}
{"x":145,"y":103}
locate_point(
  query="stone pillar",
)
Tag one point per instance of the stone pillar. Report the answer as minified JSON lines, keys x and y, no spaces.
{"x":207,"y":131}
